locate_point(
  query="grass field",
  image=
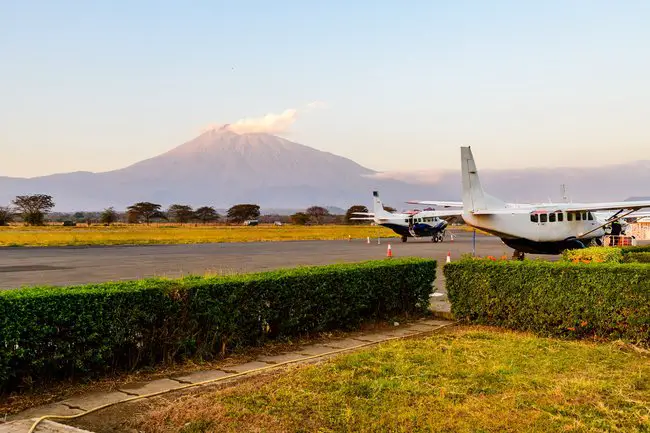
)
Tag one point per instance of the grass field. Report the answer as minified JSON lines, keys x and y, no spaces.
{"x":468,"y":379}
{"x":17,"y":236}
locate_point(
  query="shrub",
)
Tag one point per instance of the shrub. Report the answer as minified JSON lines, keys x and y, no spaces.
{"x":608,"y":300}
{"x":56,"y":333}
{"x":636,"y":249}
{"x":640,"y":257}
{"x":594,"y":254}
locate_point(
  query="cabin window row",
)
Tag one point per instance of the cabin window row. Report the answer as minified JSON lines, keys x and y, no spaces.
{"x":421,"y":220}
{"x":559,"y":217}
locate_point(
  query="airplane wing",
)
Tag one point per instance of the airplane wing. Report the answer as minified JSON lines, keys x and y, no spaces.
{"x":445,"y":213}
{"x":362,"y":219}
{"x":437,"y":203}
{"x":363,"y":213}
{"x":608,"y":206}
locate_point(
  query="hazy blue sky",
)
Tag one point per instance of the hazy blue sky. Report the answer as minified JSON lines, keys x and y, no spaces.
{"x":97,"y":85}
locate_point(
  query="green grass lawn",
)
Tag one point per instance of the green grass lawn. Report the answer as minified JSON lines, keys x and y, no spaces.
{"x":467,"y":379}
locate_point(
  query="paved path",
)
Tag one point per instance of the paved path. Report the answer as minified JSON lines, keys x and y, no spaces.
{"x":308,"y":353}
{"x":78,"y":265}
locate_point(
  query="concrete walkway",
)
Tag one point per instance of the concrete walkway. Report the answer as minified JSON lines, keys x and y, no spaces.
{"x":22,"y":422}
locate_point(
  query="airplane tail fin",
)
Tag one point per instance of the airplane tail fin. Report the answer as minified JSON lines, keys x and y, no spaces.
{"x":474,"y":198}
{"x":378,"y":206}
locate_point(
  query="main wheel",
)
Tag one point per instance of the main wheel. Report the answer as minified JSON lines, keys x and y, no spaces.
{"x":404,"y":238}
{"x":518,"y":255}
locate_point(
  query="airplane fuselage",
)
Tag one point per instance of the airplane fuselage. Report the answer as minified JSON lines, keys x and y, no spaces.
{"x":540,"y":232}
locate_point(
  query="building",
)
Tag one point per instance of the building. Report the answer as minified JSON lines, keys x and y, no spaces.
{"x":640,"y":229}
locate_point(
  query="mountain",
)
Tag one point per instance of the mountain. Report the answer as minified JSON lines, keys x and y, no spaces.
{"x":221,"y":168}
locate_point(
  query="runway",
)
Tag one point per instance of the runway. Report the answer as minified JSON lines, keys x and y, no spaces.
{"x":21,"y":267}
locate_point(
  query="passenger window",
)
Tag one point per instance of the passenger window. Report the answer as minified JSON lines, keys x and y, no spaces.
{"x":584,"y":216}
{"x":569,"y":216}
{"x":591,"y":216}
{"x":406,"y":221}
{"x":560,"y":216}
{"x":533,"y":218}
{"x":551,"y":217}
{"x":577,"y":216}
{"x":543,"y":217}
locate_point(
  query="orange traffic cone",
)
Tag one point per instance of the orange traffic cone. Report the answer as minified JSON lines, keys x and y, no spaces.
{"x":448,"y":256}
{"x":389,"y":251}
{"x":368,"y":239}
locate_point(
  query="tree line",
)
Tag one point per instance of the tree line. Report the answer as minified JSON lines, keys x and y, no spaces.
{"x":33,"y":210}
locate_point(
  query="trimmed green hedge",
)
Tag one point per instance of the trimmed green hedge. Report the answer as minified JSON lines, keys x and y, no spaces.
{"x":636,"y":249}
{"x":56,"y":333}
{"x":594,"y":254}
{"x":641,"y":257}
{"x":609,"y":301}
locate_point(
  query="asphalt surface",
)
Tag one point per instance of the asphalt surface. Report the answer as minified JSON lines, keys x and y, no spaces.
{"x":79,"y":265}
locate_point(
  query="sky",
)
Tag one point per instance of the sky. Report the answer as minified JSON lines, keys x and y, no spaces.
{"x":395,"y":86}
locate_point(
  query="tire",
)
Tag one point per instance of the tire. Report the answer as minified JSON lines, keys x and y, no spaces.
{"x":404,"y":238}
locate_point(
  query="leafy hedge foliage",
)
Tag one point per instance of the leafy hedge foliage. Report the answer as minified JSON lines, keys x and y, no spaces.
{"x":55,"y":333}
{"x":636,"y":249}
{"x":641,"y":257}
{"x":594,"y":254}
{"x":609,"y":301}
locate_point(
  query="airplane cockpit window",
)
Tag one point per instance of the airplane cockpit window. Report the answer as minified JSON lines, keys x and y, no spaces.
{"x":543,"y":218}
{"x":584,"y":216}
{"x":551,"y":217}
{"x":569,"y":216}
{"x":591,"y":216}
{"x":533,"y":218}
{"x":560,"y":216}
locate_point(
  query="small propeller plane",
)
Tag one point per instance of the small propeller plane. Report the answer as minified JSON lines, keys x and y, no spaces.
{"x":414,"y":224}
{"x":548,"y":228}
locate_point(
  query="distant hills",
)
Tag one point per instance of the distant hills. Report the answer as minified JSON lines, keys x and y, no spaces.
{"x":221,"y":168}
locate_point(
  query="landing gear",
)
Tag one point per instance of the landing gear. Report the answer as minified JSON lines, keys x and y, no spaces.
{"x":404,"y":238}
{"x":518,"y":255}
{"x":437,"y":237}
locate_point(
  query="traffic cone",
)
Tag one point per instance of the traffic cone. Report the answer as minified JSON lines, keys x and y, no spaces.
{"x":349,"y":238}
{"x":389,"y":251}
{"x":451,"y":235}
{"x":368,"y":239}
{"x":448,"y":256}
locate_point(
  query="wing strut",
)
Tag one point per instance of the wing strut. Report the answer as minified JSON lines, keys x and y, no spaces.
{"x":612,"y":219}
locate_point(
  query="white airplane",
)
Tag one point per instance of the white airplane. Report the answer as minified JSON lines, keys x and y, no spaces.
{"x":415,"y":224}
{"x":548,"y":228}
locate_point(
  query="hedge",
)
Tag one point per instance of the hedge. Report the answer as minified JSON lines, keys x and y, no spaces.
{"x":606,"y":301}
{"x":641,"y":257}
{"x":594,"y":254}
{"x":51,"y":333}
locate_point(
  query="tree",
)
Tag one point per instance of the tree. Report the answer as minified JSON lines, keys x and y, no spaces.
{"x":34,"y":207}
{"x":180,"y":213}
{"x":243,"y":212}
{"x":108,"y":216}
{"x":300,"y":218}
{"x":350,"y":213}
{"x":318,"y":213}
{"x":145,"y":210}
{"x":6,"y":215}
{"x":389,"y":209}
{"x":206,"y":214}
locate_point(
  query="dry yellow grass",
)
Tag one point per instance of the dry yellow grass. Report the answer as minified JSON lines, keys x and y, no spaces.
{"x":179,"y":234}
